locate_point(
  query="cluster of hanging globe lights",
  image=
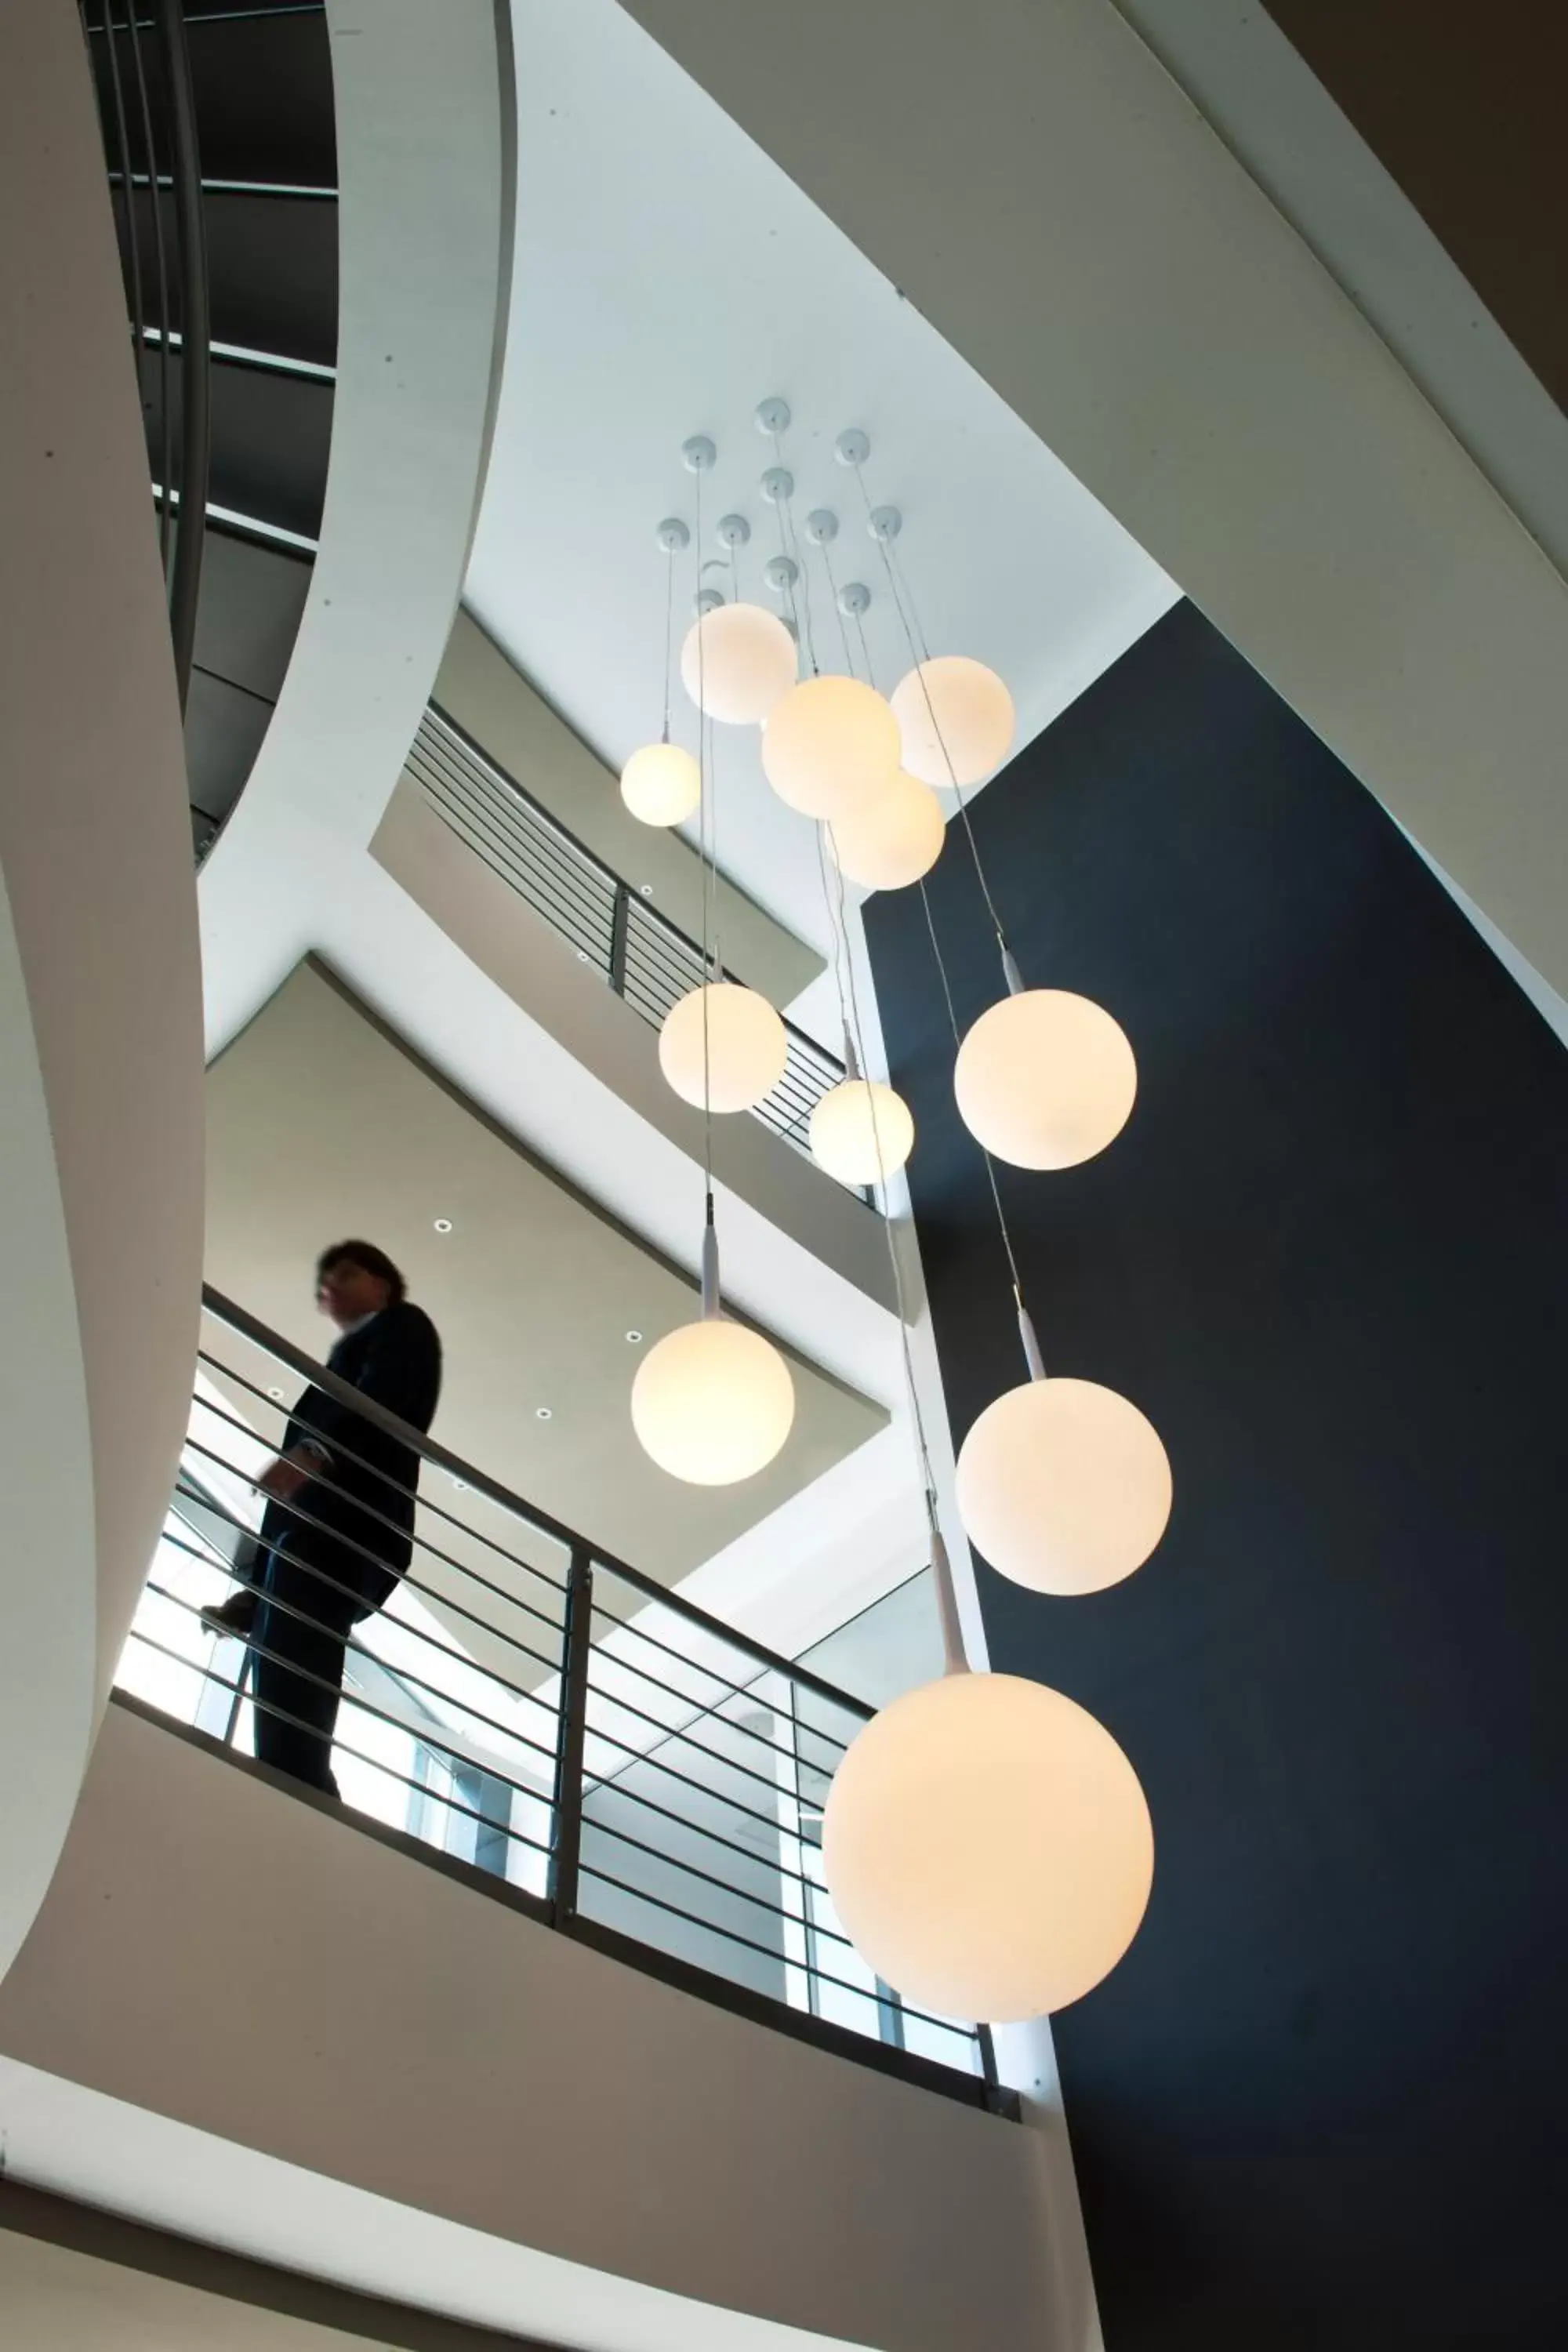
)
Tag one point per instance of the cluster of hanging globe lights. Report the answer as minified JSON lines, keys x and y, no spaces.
{"x":987,"y":1844}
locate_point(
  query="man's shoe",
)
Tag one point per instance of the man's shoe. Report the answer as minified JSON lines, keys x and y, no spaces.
{"x":234,"y":1619}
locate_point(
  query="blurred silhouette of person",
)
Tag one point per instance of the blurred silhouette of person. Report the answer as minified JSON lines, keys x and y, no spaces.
{"x":337,"y":1533}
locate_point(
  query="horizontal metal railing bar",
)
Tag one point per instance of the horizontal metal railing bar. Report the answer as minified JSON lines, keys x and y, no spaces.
{"x":250,"y":1327}
{"x":651,"y":915}
{"x":732,"y":1690}
{"x":655,"y":1763}
{"x":618,"y":1788}
{"x":422,"y":1543}
{"x":518,"y":813}
{"x":725,"y":1885}
{"x":299,"y":1512}
{"x":232,"y":187}
{"x":673,"y":1860}
{"x":549,"y":891}
{"x":708,"y":1710}
{"x":671,"y":1731}
{"x":824,"y":1976}
{"x":425,"y":1502}
{"x":550,"y":853}
{"x":352,"y":1649}
{"x":351,"y":1698}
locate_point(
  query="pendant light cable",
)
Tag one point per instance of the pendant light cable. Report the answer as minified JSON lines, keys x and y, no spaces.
{"x":704,"y":795}
{"x":668,"y":634}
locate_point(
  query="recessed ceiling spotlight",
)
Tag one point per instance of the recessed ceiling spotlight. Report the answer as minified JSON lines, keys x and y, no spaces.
{"x":633,"y":1339}
{"x":583,"y":956}
{"x":645,"y":889}
{"x":276,"y":1394}
{"x":542,"y":1413}
{"x":461,"y":1485}
{"x":443,"y":1224}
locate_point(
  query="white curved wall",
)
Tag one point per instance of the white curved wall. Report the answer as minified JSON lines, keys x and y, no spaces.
{"x":425,"y":109}
{"x":100,"y":1049}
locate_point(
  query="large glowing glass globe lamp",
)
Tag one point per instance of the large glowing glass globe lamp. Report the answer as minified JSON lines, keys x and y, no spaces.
{"x":956,"y":720}
{"x":736,"y":661}
{"x":861,"y":1131}
{"x":988,"y":1848}
{"x":830,"y":746}
{"x":712,"y":1402}
{"x":1064,"y":1486}
{"x":1044,"y":1079}
{"x":661,"y":784}
{"x":724,"y":1045}
{"x":891,"y":839}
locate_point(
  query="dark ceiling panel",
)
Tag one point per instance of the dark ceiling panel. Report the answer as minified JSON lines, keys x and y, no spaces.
{"x":271,"y":436}
{"x":1465,"y":106}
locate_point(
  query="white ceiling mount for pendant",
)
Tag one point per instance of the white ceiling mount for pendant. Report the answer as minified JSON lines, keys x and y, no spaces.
{"x":822,"y":526}
{"x":732,"y":530}
{"x":781,"y":573}
{"x":778,"y":486}
{"x":707,"y":600}
{"x":885,"y":524}
{"x":698,"y":456}
{"x":854,"y":598}
{"x":853,"y":446}
{"x":673,"y":536}
{"x":772,"y":417}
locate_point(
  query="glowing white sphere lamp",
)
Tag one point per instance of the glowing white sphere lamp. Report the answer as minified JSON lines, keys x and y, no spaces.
{"x":712,"y":1402}
{"x":736,"y":662}
{"x":724,"y":1045}
{"x":891,"y":839}
{"x":988,"y":1848}
{"x":1045,"y":1079}
{"x":830,"y":746}
{"x":956,"y":720}
{"x":661,"y":784}
{"x":861,"y":1131}
{"x":1064,"y":1486}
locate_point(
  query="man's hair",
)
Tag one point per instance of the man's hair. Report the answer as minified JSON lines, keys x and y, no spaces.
{"x":369,"y":1260}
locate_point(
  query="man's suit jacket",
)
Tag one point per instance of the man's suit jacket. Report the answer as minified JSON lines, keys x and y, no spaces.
{"x":370,"y":1477}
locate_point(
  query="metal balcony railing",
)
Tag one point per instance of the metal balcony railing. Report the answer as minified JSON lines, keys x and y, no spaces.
{"x":602,"y":1753}
{"x":648,"y":960}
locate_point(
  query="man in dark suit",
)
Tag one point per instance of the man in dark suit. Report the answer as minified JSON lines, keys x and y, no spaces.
{"x":336,"y":1536}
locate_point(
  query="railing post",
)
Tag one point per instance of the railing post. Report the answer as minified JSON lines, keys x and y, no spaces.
{"x":618,"y":924}
{"x":567,"y":1846}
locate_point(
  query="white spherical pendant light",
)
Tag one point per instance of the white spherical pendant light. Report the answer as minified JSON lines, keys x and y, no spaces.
{"x":889,"y":840}
{"x":661,"y":784}
{"x":956,"y":720}
{"x":988,"y":1848}
{"x":861,"y":1131}
{"x":830,"y":746}
{"x":1044,"y":1079}
{"x":736,"y":662}
{"x":712,"y":1402}
{"x":741,"y":1058}
{"x":1064,"y":1486}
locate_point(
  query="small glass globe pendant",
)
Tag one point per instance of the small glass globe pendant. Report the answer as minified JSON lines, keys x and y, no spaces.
{"x":861,"y":1131}
{"x":736,"y":661}
{"x":890,"y":840}
{"x":956,"y":721}
{"x":830,"y":746}
{"x":1064,"y":1486}
{"x":988,"y":1848}
{"x":1044,"y":1079}
{"x":722,"y":1046}
{"x":661,"y":784}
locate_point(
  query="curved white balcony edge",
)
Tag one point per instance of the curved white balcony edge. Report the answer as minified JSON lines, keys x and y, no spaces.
{"x":426,"y":133}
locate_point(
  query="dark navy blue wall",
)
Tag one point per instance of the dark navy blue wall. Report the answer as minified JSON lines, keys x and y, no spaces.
{"x":1324,"y":2102}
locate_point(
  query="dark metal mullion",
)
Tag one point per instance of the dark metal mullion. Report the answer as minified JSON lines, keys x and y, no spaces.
{"x":195,"y":401}
{"x":566,"y":1860}
{"x":155,"y":205}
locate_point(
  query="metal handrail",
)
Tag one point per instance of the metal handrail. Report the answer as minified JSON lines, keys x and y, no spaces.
{"x":638,"y":1792}
{"x":649,"y":961}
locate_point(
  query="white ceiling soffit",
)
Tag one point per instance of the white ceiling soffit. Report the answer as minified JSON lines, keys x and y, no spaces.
{"x":1054,"y":201}
{"x":667,"y":276}
{"x":319,"y":1125}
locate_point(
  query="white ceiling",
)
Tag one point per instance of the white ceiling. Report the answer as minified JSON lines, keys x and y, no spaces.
{"x":667,"y":277}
